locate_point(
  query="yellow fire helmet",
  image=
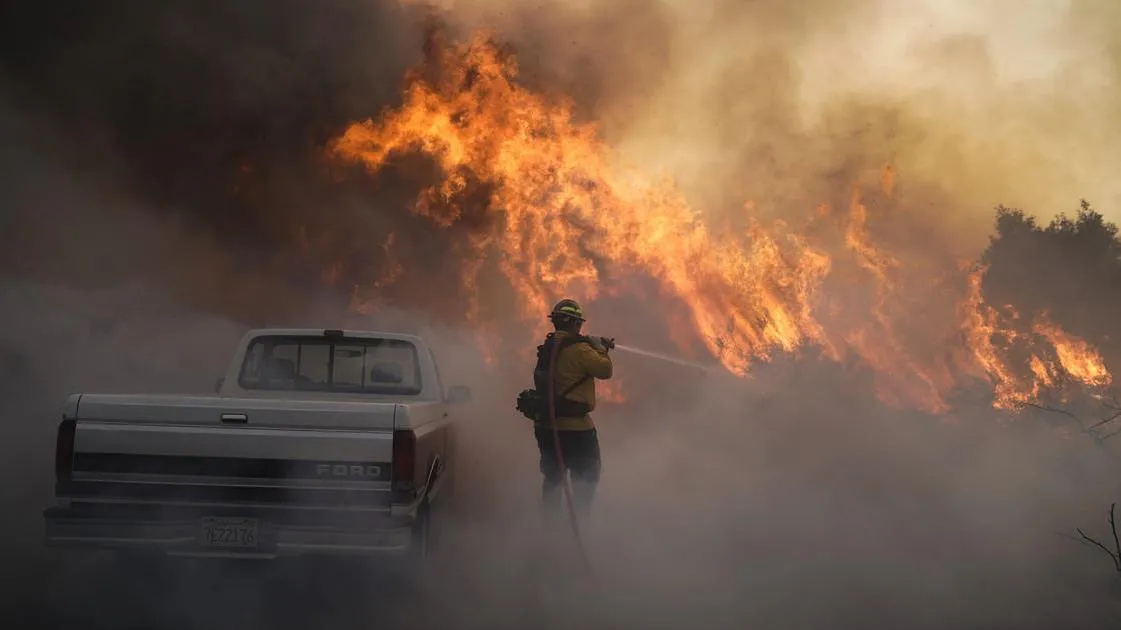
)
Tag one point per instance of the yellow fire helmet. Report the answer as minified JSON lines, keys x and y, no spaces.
{"x":568,"y":308}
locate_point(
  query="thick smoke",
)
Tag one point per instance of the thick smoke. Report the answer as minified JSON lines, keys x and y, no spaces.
{"x":163,"y":188}
{"x":780,"y":103}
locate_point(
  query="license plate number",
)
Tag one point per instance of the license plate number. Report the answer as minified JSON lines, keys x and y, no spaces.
{"x":238,"y":533}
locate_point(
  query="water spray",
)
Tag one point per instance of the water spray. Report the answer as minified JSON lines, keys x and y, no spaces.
{"x":669,"y":359}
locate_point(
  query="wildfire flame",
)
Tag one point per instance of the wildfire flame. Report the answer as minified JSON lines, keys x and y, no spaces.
{"x":611,"y":392}
{"x":1055,"y":357}
{"x":559,"y":210}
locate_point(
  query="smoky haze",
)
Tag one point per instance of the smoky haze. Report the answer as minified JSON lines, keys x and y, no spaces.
{"x":779,"y":103}
{"x":163,"y":188}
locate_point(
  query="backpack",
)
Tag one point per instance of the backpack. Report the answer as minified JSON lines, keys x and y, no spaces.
{"x":531,"y":403}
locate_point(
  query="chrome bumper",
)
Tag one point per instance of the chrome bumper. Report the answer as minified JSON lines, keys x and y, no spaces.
{"x":182,"y":537}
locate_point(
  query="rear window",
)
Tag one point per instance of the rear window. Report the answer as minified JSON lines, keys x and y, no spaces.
{"x":373,"y":366}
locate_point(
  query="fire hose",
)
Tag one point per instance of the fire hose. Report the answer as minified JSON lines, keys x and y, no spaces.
{"x":552,"y":412}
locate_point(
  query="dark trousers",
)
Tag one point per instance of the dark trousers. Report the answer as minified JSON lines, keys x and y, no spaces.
{"x":580,"y":450}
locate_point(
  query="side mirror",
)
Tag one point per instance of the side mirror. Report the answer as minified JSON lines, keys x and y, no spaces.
{"x":458,"y":394}
{"x":218,"y":384}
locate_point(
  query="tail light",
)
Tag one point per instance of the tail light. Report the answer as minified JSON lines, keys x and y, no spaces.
{"x":404,"y":460}
{"x":64,"y":449}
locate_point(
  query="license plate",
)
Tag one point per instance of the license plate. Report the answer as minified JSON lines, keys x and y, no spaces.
{"x":238,"y":533}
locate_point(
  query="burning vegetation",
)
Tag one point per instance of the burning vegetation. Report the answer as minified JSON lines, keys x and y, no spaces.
{"x":553,"y":208}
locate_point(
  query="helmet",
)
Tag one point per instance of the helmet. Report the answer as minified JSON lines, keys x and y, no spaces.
{"x":567,"y":308}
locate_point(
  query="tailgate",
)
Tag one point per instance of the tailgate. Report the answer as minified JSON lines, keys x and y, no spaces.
{"x":223,"y":451}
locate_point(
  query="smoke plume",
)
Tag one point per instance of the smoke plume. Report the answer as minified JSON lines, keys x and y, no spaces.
{"x":773,"y":102}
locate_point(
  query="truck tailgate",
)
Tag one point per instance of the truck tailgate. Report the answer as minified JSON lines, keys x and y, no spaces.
{"x":258,"y":412}
{"x":233,"y":452}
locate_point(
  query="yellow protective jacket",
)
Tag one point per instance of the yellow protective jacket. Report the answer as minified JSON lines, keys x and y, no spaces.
{"x":574,"y":363}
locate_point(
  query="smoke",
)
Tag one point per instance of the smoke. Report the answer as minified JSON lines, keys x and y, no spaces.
{"x":162,"y":189}
{"x":781,"y":105}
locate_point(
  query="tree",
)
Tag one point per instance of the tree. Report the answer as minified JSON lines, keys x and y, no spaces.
{"x":1114,"y":553}
{"x":1069,"y":269}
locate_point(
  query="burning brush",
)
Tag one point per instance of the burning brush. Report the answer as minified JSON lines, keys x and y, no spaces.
{"x":562,"y":212}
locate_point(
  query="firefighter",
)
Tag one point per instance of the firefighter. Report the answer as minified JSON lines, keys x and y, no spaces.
{"x":580,"y":360}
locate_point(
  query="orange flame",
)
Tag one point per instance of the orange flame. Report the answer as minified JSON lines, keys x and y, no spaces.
{"x":610,"y":392}
{"x":560,"y":210}
{"x":1076,"y":357}
{"x":1054,"y":355}
{"x":554,"y":185}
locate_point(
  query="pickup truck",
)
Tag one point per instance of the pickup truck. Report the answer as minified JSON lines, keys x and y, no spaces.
{"x":317,"y":442}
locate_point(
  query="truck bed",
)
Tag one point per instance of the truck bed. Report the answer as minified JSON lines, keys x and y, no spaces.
{"x":165,"y":464}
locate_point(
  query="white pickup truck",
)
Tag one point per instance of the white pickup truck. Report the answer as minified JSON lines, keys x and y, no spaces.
{"x":317,"y":442}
